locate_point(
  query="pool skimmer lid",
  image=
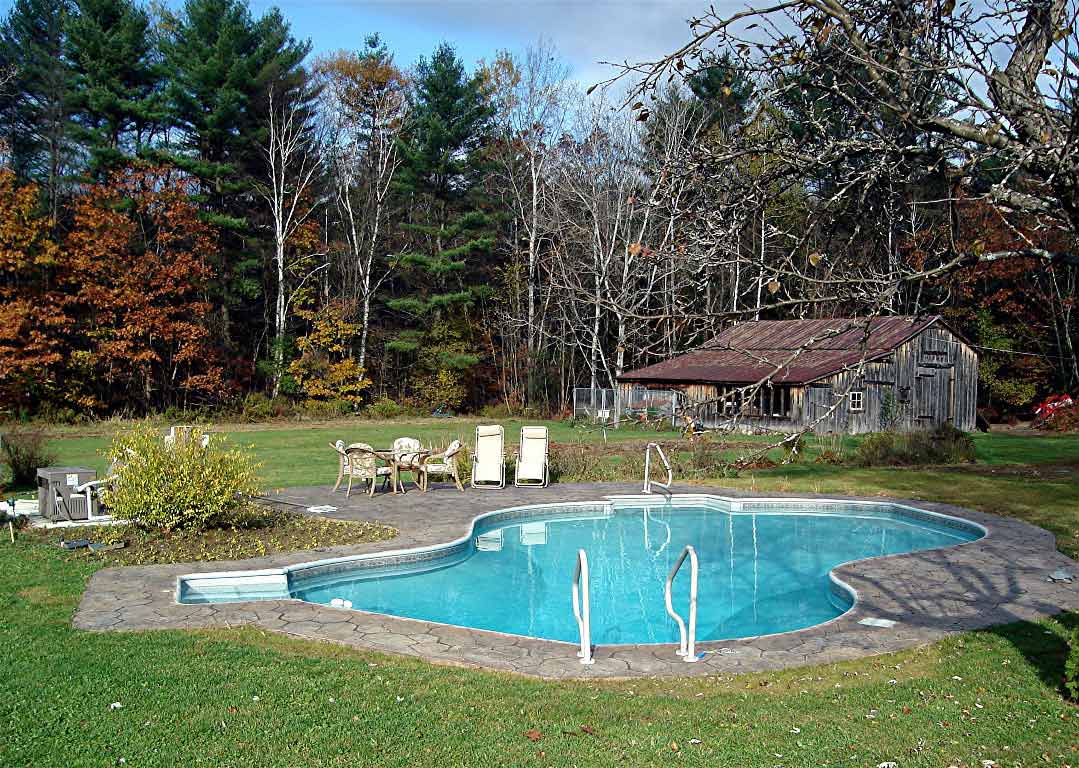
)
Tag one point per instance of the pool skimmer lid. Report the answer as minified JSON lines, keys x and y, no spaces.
{"x":871,"y":621}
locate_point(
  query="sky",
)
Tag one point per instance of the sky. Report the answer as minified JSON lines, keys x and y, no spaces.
{"x":584,"y":31}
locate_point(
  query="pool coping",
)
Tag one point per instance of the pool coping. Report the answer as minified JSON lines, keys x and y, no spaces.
{"x":996,"y":579}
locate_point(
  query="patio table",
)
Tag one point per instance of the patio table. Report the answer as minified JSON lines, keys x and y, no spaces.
{"x":407,"y":462}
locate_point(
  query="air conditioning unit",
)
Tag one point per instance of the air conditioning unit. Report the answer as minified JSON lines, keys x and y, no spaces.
{"x":57,"y":498}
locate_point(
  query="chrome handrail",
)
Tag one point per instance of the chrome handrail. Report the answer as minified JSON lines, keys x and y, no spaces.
{"x":648,"y":481}
{"x":686,"y":645}
{"x":581,"y":610}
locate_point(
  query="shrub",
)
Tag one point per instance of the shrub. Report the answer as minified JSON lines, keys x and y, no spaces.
{"x":327,"y":409}
{"x":1071,"y":667}
{"x":383,"y":408}
{"x":24,"y":451}
{"x":258,"y":407}
{"x":943,"y":445}
{"x":496,"y":411}
{"x":180,"y":486}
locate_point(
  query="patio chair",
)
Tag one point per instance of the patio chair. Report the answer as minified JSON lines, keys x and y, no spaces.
{"x":362,"y":463}
{"x":184,"y":432}
{"x":532,"y":465}
{"x":356,"y":461}
{"x":444,"y":464}
{"x":407,"y":455}
{"x":489,"y":457}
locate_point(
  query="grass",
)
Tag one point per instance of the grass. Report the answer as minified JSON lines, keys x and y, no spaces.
{"x":247,"y":698}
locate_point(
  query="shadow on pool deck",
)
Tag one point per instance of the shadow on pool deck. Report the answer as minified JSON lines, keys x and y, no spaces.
{"x":999,"y":579}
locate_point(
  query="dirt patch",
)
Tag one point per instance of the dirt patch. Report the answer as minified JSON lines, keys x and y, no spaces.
{"x":261,"y":532}
{"x":40,"y":596}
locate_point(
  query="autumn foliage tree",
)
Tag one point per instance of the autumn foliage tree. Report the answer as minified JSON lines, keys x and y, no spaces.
{"x":137,"y":279}
{"x":32,"y":319}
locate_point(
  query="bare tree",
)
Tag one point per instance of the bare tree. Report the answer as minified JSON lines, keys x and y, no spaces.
{"x":364,"y":107}
{"x":292,"y":170}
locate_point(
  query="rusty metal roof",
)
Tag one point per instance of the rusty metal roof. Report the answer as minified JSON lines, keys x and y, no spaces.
{"x":791,"y":351}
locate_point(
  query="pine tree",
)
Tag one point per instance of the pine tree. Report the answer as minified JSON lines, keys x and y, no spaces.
{"x":451,"y":232}
{"x":222,"y":65}
{"x":118,"y":102}
{"x":35,"y":106}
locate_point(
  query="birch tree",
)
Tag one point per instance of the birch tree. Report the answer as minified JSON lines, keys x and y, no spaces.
{"x":289,"y":191}
{"x":365,"y":108}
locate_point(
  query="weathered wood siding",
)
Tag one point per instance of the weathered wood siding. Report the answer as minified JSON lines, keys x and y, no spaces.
{"x":929,"y":380}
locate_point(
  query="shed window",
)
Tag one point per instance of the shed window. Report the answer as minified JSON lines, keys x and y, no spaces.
{"x":857,"y":401}
{"x":773,"y":402}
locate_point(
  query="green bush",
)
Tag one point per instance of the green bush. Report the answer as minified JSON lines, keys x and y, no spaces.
{"x":383,"y":408}
{"x":25,"y":450}
{"x":497,"y":410}
{"x":327,"y":409}
{"x":179,"y":486}
{"x":257,"y":407}
{"x":1071,"y":667}
{"x":942,"y":445}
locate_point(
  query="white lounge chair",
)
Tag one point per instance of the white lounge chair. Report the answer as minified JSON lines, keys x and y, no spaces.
{"x":489,"y":457}
{"x":532,"y":466}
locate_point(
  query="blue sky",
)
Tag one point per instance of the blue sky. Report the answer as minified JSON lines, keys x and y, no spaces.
{"x":584,"y":31}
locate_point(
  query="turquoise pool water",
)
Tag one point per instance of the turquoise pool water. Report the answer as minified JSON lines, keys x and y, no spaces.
{"x":760,"y":572}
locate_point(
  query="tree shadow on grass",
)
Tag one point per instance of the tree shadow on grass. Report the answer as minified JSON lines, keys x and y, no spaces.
{"x":1044,"y":645}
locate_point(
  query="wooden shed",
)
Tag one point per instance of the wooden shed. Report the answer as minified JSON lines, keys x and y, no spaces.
{"x":841,"y":375}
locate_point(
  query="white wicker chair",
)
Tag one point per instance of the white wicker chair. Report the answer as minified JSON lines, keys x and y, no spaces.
{"x":408,"y":454}
{"x":359,"y":461}
{"x":443,"y":464}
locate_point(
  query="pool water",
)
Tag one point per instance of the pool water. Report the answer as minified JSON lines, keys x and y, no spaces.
{"x":760,"y":573}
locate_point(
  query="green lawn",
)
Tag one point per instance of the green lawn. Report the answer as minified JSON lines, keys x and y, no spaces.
{"x":248,"y":698}
{"x":299,"y":454}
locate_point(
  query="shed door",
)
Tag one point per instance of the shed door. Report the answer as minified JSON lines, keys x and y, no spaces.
{"x":934,"y":395}
{"x":818,"y":401}
{"x":929,"y":396}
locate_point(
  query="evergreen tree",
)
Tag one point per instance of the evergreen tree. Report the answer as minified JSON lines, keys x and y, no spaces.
{"x":118,"y":102}
{"x":451,"y":231}
{"x":723,"y":90}
{"x":35,"y":106}
{"x":222,"y":65}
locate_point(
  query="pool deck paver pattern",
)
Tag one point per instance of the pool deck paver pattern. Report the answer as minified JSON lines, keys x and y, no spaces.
{"x":1000,"y":578}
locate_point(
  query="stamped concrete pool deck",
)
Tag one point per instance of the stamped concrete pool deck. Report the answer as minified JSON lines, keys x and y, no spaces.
{"x":1000,"y":578}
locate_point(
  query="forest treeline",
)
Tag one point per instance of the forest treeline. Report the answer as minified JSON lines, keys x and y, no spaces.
{"x":197,"y":209}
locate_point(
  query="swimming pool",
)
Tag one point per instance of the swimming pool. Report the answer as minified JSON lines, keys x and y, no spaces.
{"x":765,"y":567}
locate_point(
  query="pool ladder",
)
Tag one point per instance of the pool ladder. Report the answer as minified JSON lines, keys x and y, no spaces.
{"x":687,"y":638}
{"x":581,"y":610}
{"x":687,"y":641}
{"x":648,"y":481}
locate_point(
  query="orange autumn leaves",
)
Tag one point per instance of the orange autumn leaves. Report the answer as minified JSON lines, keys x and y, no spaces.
{"x":111,"y":308}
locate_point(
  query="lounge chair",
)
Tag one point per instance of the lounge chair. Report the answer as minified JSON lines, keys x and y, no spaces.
{"x":444,"y":464}
{"x":532,"y":466}
{"x":489,"y":457}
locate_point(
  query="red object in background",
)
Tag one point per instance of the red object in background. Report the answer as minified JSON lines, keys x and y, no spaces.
{"x":1047,"y":407}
